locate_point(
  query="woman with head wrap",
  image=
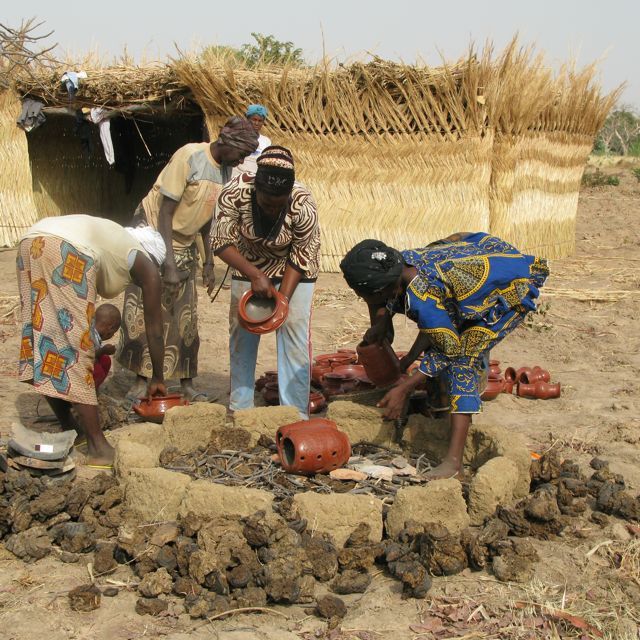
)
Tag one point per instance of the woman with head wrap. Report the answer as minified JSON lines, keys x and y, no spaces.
{"x":465,"y":293}
{"x":180,"y":205}
{"x":266,"y":229}
{"x":63,"y":264}
{"x":256,"y":114}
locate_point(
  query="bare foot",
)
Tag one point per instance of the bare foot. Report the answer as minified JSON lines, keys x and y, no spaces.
{"x":102,"y":457}
{"x":448,"y":469}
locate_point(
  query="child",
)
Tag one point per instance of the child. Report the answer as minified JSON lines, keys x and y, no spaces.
{"x":107,"y":321}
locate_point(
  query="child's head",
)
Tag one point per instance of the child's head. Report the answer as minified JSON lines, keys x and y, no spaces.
{"x":107,"y":320}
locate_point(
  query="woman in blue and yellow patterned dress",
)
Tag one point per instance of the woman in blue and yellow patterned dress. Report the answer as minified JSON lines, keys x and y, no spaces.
{"x":465,"y":293}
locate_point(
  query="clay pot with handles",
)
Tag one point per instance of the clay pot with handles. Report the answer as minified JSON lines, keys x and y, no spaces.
{"x":539,"y":390}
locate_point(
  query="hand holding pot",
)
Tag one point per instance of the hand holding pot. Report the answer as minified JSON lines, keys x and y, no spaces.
{"x":155,"y":388}
{"x":261,"y":285}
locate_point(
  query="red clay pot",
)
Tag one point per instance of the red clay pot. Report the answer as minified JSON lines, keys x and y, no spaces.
{"x":153,"y":410}
{"x":270,"y":393}
{"x":334,"y":384}
{"x":341,"y":360}
{"x":348,"y":352}
{"x":350,"y":370}
{"x":324,"y":359}
{"x":523,"y":371}
{"x":318,"y":372}
{"x":380,"y":363}
{"x":508,"y":386}
{"x":312,"y":446}
{"x":494,"y":369}
{"x":262,"y":315}
{"x":536,"y":374}
{"x":268,"y":376}
{"x":539,"y":390}
{"x":493,"y":389}
{"x":510,"y":375}
{"x":317,"y":402}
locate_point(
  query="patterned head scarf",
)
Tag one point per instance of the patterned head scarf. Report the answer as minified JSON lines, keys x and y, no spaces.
{"x":257,"y":110}
{"x":276,"y":173}
{"x":151,"y":241}
{"x":239,"y":133}
{"x":371,"y":266}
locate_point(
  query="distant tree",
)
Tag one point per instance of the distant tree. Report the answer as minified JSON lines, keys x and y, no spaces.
{"x":620,"y":134}
{"x":269,"y":50}
{"x":224,"y":52}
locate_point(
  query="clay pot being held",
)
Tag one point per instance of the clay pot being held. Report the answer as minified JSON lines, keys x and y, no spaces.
{"x":317,"y":402}
{"x":271,"y":394}
{"x":539,"y":390}
{"x":153,"y":409}
{"x":493,"y":389}
{"x":312,"y":446}
{"x":380,"y":363}
{"x":262,"y":315}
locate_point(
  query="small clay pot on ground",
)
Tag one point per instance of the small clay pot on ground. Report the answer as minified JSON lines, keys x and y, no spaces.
{"x":539,"y":390}
{"x":493,"y":389}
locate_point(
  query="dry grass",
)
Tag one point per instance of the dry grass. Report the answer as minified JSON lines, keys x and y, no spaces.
{"x":405,"y":153}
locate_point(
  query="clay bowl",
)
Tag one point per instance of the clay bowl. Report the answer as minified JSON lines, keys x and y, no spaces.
{"x":317,"y":373}
{"x":262,"y":315}
{"x":348,"y":352}
{"x":333,"y":384}
{"x":153,"y":410}
{"x":350,"y":370}
{"x":510,"y":375}
{"x":341,"y":360}
{"x":324,"y":359}
{"x":493,"y":389}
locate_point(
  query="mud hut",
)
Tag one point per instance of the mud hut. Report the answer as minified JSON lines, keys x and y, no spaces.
{"x":404,"y":153}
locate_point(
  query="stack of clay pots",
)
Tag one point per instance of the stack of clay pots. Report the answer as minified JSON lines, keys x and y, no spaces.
{"x":339,"y":373}
{"x":528,"y":382}
{"x":267,"y":385}
{"x":312,"y":446}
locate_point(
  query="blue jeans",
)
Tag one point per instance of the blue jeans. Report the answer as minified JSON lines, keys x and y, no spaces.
{"x":293,"y":343}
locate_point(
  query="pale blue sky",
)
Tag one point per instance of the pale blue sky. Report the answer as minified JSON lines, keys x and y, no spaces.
{"x":396,"y":29}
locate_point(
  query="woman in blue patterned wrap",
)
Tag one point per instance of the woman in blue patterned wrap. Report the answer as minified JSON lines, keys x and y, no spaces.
{"x":465,"y":293}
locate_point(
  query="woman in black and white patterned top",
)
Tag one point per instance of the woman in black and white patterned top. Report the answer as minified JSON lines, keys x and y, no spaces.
{"x":266,"y":229}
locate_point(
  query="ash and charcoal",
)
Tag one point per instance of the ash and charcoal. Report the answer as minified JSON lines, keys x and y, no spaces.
{"x":379,"y":471}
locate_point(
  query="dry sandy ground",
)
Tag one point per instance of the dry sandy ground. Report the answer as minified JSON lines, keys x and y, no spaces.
{"x":587,"y":336}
